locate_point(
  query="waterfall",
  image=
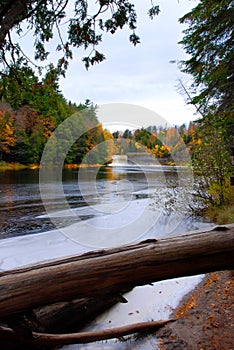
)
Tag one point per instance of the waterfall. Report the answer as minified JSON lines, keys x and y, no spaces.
{"x":119,"y":160}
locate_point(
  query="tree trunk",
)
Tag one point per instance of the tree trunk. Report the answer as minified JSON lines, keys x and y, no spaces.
{"x":113,"y":271}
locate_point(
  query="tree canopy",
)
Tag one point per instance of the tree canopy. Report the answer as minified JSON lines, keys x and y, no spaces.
{"x":209,"y":42}
{"x":79,"y":24}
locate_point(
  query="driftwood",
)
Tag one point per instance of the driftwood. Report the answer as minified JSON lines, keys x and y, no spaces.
{"x":56,"y":318}
{"x":41,"y":339}
{"x":63,"y":317}
{"x":38,"y":294}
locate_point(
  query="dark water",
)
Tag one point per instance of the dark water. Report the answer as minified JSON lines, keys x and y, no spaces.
{"x":21,"y":204}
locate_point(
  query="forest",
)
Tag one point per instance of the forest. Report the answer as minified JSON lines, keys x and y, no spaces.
{"x":29,"y":116}
{"x":30,"y":113}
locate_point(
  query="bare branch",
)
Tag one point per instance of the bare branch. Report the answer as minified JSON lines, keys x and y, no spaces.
{"x":83,"y":337}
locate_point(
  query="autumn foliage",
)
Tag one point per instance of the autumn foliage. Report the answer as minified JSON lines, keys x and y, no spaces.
{"x":7,"y":131}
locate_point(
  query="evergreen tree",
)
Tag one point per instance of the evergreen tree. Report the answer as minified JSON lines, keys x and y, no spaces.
{"x":209,"y":41}
{"x":83,"y":29}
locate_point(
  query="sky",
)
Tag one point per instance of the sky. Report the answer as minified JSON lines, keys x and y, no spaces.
{"x":140,"y":75}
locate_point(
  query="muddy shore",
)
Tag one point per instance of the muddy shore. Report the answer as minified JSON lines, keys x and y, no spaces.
{"x":204,"y":318}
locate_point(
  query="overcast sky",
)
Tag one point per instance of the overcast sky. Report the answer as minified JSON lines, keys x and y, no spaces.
{"x":141,"y":75}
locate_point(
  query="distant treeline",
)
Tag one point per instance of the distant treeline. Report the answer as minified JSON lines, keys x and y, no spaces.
{"x":168,"y":143}
{"x":30,"y":112}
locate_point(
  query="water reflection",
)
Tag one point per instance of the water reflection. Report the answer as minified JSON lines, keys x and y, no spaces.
{"x":21,"y":209}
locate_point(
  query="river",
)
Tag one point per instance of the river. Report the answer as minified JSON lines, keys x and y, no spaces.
{"x":99,"y":208}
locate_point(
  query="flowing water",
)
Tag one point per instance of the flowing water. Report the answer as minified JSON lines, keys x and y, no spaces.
{"x":21,"y":208}
{"x":103,"y":208}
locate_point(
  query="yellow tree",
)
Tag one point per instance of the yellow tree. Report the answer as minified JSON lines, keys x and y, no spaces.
{"x":7,"y":132}
{"x":110,"y":144}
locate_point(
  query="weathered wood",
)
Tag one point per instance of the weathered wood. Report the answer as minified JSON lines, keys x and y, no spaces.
{"x":41,"y":339}
{"x":115,"y":270}
{"x":56,"y":318}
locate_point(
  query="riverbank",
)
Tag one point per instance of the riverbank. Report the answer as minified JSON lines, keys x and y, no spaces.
{"x":223,"y":214}
{"x":204,"y":318}
{"x":16,"y":166}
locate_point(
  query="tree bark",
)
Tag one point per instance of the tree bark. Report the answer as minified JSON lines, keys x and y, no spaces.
{"x":13,"y":11}
{"x":113,"y":271}
{"x":56,"y":318}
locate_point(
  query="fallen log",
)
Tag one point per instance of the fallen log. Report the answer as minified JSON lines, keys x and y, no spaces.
{"x":40,"y":339}
{"x":113,"y":271}
{"x":56,"y":318}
